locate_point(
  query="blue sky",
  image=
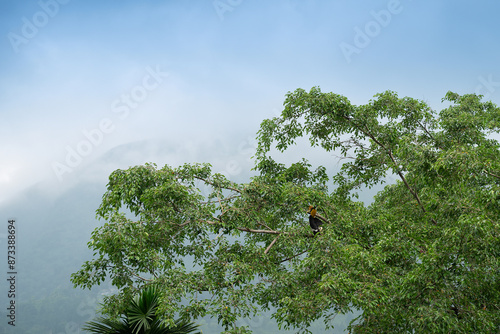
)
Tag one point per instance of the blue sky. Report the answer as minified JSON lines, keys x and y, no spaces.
{"x":196,"y":78}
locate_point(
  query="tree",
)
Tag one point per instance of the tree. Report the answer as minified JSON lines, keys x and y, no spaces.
{"x":423,"y":257}
{"x":140,"y":318}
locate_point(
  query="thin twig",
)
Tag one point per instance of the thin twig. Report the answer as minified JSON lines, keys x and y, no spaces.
{"x":494,"y":175}
{"x":214,"y":185}
{"x":142,"y":278}
{"x":291,"y":257}
{"x":262,"y":224}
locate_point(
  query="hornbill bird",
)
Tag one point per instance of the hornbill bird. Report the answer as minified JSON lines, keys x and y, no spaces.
{"x":314,"y":222}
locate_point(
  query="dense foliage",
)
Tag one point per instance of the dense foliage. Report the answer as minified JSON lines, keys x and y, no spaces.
{"x":423,"y":257}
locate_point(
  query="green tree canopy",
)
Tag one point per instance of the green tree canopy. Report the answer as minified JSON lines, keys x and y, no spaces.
{"x":423,"y":257}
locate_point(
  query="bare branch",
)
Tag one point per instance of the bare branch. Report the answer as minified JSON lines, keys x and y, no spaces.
{"x":250,"y":230}
{"x":218,"y":235}
{"x":246,"y":229}
{"x":271,"y":245}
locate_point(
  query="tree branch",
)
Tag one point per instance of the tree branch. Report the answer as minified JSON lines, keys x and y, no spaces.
{"x":271,"y":244}
{"x":222,"y":200}
{"x":291,"y":257}
{"x":262,"y":224}
{"x":140,"y":277}
{"x":246,"y":229}
{"x":322,"y":218}
{"x":214,"y":185}
{"x":415,"y":195}
{"x":491,"y":174}
{"x":428,"y":133}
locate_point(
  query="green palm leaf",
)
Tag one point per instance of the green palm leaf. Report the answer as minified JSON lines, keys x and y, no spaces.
{"x":108,"y":326}
{"x":142,"y":310}
{"x":140,"y":318}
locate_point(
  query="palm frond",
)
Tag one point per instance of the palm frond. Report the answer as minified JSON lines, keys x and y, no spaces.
{"x":140,"y":318}
{"x":142,"y":310}
{"x":107,"y":326}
